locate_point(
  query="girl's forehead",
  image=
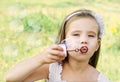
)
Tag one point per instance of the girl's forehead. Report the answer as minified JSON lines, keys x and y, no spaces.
{"x":82,"y":23}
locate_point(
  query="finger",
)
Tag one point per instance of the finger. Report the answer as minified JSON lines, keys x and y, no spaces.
{"x":56,"y":58}
{"x":57,"y":53}
{"x":57,"y":47}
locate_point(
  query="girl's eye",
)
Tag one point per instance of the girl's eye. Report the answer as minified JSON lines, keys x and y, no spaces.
{"x":91,"y":36}
{"x":76,"y":34}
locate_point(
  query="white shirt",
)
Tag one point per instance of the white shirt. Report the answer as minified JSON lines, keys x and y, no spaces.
{"x":55,"y":70}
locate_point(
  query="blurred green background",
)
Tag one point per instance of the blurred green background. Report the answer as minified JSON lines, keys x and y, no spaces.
{"x":29,"y":26}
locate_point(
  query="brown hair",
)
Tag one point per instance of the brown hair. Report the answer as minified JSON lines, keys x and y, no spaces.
{"x":62,"y":33}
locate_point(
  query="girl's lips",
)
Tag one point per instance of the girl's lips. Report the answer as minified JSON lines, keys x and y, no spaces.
{"x":84,"y":49}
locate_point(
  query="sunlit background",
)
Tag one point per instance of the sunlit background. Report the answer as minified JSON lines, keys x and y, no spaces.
{"x":29,"y":26}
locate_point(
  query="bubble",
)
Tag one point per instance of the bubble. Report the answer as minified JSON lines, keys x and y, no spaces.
{"x":33,"y":41}
{"x":10,"y":51}
{"x":16,"y":26}
{"x":74,"y":45}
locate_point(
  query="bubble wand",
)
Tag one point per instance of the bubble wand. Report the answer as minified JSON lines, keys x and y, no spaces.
{"x":82,"y":49}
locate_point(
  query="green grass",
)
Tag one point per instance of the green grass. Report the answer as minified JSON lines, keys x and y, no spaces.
{"x":29,"y":26}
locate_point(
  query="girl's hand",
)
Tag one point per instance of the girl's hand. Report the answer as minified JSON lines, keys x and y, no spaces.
{"x":53,"y":54}
{"x":33,"y":68}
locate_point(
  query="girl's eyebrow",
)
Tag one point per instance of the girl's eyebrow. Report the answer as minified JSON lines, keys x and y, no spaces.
{"x":92,"y":32}
{"x":76,"y":31}
{"x":81,"y":31}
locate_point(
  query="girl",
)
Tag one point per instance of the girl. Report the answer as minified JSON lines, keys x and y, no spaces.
{"x":74,"y":60}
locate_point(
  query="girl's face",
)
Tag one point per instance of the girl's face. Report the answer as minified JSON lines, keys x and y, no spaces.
{"x":82,"y":32}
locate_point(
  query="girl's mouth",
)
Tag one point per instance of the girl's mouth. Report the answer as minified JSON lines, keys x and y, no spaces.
{"x":84,"y":49}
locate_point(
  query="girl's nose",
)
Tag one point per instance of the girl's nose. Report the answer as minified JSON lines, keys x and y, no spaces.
{"x":83,"y":40}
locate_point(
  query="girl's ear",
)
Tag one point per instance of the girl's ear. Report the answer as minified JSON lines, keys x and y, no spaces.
{"x":98,"y":44}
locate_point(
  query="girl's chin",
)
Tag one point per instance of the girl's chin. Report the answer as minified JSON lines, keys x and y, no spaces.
{"x":79,"y":53}
{"x":79,"y":56}
{"x":80,"y":60}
